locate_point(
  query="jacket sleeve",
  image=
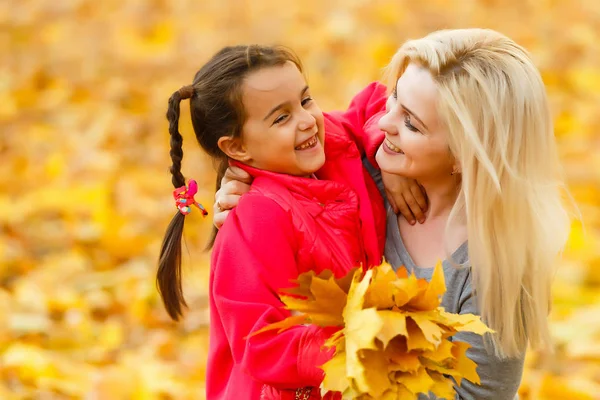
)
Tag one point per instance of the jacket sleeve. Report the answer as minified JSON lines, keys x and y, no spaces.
{"x":253,"y":259}
{"x":366,"y":104}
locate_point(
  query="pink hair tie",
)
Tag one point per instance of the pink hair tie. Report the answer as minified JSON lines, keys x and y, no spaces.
{"x":184,"y":198}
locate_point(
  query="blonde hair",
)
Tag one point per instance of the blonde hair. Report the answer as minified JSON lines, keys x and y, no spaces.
{"x":493,"y":102}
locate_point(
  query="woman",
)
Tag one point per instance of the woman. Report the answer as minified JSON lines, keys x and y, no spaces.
{"x":468,"y":118}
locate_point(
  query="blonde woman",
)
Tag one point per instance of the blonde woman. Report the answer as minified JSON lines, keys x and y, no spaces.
{"x":468,"y":118}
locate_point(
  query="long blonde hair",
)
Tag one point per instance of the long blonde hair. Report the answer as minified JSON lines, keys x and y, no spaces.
{"x":493,"y":102}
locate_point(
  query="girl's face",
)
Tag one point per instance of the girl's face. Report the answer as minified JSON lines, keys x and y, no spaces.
{"x":415,"y":144}
{"x":284,"y":129}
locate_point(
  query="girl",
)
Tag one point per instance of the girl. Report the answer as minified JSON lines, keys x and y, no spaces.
{"x":312,"y":206}
{"x":468,"y":118}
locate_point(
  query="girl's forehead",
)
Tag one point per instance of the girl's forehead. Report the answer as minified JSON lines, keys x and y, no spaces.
{"x":273,"y":79}
{"x":271,"y":87}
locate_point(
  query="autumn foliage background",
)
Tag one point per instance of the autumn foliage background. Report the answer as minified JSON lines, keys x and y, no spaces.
{"x":86,"y":194}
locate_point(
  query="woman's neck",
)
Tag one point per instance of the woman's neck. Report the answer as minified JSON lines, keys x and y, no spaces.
{"x":442,"y":196}
{"x":434,"y":240}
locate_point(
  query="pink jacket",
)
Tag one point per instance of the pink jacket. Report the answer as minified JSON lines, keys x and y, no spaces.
{"x":283,"y":227}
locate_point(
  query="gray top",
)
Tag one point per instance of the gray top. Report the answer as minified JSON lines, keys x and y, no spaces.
{"x":500,"y":378}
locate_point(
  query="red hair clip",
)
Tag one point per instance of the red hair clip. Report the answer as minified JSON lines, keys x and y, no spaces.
{"x":184,"y":198}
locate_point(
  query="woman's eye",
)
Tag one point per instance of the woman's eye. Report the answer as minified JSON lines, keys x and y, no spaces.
{"x":306,"y":101}
{"x":408,"y":124}
{"x":395,"y":94}
{"x":280,"y":119}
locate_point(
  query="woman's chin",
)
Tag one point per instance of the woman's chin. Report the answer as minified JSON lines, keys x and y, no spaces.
{"x":387,"y":164}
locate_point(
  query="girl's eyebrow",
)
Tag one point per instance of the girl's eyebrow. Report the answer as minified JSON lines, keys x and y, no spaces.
{"x":283,"y":104}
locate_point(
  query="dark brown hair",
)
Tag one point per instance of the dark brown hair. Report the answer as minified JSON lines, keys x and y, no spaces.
{"x":217,"y":110}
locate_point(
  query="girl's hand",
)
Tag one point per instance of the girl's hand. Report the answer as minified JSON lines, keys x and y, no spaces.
{"x":406,"y":197}
{"x":234,"y":184}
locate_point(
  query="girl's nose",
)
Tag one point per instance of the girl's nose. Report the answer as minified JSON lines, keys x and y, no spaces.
{"x":307,"y":121}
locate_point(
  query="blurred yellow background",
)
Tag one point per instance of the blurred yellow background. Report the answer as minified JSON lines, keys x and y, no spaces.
{"x":86,"y":192}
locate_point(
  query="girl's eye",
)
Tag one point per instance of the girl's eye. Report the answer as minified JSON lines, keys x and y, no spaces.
{"x":306,"y":101}
{"x":395,"y":94}
{"x":280,"y":119}
{"x":407,"y":123}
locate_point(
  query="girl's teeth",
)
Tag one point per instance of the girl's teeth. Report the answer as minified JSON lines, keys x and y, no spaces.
{"x":312,"y":142}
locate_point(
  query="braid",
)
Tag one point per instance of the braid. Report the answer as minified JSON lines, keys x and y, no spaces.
{"x":176,"y":152}
{"x":168,"y":276}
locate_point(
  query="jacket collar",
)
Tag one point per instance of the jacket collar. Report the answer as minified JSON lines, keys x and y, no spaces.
{"x":321,"y":191}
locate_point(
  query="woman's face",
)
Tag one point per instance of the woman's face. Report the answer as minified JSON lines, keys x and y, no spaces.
{"x":416,"y":141}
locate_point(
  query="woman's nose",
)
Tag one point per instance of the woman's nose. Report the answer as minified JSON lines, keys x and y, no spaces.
{"x":387,"y":124}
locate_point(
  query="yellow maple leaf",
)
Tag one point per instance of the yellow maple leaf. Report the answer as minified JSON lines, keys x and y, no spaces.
{"x":407,"y":288}
{"x":442,"y":387}
{"x":304,"y":282}
{"x":356,"y":294}
{"x":336,"y":340}
{"x":326,"y":306}
{"x":416,"y":339}
{"x":335,"y":373}
{"x":374,"y":379}
{"x":431,"y":297}
{"x":390,"y":394}
{"x":466,"y":366}
{"x":345,"y":282}
{"x":431,"y":331}
{"x":402,"y":272}
{"x":381,"y":292}
{"x":439,"y":367}
{"x":441,"y":354}
{"x":416,"y":382}
{"x":404,"y":394}
{"x":393,"y":324}
{"x":283,"y":325}
{"x":400,"y":358}
{"x":361,"y":328}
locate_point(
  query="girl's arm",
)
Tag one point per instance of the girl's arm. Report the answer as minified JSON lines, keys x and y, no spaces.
{"x":366,"y":104}
{"x":361,"y":123}
{"x":253,"y":259}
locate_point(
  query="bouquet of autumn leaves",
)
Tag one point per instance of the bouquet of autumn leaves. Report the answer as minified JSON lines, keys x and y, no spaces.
{"x":394,"y":341}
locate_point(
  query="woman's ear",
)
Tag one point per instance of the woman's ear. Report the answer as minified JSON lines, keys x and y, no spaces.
{"x":234,"y":148}
{"x":454,"y":164}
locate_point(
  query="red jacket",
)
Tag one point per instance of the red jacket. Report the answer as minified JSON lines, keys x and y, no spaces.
{"x":285,"y":226}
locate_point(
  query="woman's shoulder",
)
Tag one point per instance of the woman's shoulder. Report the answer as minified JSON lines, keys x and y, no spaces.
{"x":459,"y":289}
